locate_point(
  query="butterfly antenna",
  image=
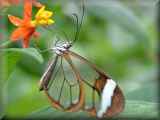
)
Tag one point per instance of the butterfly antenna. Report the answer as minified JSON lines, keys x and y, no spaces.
{"x":78,"y":25}
{"x":64,"y":34}
{"x":49,"y":49}
{"x":57,"y":40}
{"x":59,"y":31}
{"x":42,"y":51}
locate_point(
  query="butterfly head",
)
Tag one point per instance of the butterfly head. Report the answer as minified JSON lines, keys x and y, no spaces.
{"x":61,"y":47}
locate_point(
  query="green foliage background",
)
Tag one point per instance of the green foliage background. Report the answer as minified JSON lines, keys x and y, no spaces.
{"x":120,"y":37}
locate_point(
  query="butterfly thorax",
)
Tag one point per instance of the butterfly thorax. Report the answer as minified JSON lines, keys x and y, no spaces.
{"x":61,"y":47}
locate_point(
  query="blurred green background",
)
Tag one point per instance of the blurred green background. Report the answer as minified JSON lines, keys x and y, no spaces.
{"x":119,"y":36}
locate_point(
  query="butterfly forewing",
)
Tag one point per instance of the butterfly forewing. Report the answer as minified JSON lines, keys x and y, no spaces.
{"x":87,"y":73}
{"x":76,"y":84}
{"x":49,"y":72}
{"x":62,"y":86}
{"x":65,"y":88}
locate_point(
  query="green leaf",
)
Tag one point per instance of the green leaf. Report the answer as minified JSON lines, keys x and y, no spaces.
{"x":5,"y":44}
{"x":140,"y":109}
{"x":11,"y":56}
{"x":133,"y":109}
{"x":32,"y":52}
{"x":9,"y":60}
{"x":147,"y":92}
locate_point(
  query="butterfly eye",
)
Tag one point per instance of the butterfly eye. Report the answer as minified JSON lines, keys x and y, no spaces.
{"x":65,"y":45}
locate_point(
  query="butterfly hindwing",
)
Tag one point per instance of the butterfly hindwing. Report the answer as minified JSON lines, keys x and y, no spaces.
{"x":106,"y":97}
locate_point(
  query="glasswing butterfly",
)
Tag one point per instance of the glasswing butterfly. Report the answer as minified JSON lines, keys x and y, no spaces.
{"x":73,"y":83}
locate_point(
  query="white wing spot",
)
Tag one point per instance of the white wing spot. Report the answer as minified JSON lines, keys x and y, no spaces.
{"x":106,"y":99}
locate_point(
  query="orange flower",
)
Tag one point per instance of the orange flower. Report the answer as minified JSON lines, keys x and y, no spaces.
{"x":25,"y":27}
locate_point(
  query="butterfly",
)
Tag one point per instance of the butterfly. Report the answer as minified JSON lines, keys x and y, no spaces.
{"x":72,"y":83}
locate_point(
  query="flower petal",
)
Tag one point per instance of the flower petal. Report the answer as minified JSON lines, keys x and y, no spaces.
{"x":14,"y":20}
{"x":22,"y":33}
{"x":26,"y":37}
{"x":40,"y":11}
{"x":47,"y":14}
{"x":17,"y":34}
{"x":42,"y":22}
{"x":50,"y":21}
{"x":27,"y":9}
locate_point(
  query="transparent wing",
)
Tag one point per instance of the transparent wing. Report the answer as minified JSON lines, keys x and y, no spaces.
{"x":61,"y":85}
{"x":76,"y":84}
{"x":46,"y":78}
{"x":95,"y":82}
